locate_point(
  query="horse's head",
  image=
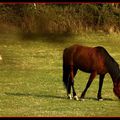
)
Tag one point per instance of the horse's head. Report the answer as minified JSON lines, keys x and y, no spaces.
{"x":116,"y":88}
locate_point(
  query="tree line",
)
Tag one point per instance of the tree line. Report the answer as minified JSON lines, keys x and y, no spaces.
{"x":61,"y":18}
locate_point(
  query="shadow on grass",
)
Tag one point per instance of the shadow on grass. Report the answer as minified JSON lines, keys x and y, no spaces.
{"x":51,"y":38}
{"x":52,"y":96}
{"x":104,"y":99}
{"x":34,"y":95}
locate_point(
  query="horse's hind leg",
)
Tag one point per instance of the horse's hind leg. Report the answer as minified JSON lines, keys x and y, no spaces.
{"x":68,"y":75}
{"x":92,"y":76}
{"x":73,"y":72}
{"x":69,"y":88}
{"x":71,"y":76}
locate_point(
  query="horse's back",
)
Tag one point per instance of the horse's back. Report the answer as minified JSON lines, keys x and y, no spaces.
{"x":85,"y":58}
{"x":76,"y":53}
{"x":82,"y":51}
{"x":76,"y":47}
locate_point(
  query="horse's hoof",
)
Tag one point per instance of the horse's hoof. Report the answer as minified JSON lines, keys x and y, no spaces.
{"x":76,"y":97}
{"x":69,"y":97}
{"x":100,"y":99}
{"x":82,"y":99}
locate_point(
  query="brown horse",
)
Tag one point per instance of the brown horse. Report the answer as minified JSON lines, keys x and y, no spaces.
{"x":93,"y":60}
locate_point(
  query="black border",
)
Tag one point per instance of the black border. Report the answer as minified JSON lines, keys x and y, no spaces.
{"x":58,"y":2}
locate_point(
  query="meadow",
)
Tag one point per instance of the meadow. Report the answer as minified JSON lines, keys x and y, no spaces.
{"x":31,"y":77}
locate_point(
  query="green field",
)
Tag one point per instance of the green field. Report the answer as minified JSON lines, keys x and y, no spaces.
{"x":31,"y":77}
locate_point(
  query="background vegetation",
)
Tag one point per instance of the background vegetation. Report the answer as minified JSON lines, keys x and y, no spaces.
{"x":61,"y":18}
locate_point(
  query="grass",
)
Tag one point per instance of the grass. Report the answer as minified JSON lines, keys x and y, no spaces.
{"x":31,"y":77}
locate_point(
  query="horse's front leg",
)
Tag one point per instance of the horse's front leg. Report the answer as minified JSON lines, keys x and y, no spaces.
{"x":92,"y":76}
{"x":100,"y":87}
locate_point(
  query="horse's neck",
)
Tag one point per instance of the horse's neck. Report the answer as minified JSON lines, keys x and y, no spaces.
{"x":114,"y":76}
{"x":113,"y":69}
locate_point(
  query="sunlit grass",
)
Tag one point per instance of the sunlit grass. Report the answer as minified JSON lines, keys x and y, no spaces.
{"x":31,"y":77}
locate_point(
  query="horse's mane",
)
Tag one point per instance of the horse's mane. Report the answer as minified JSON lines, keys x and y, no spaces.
{"x":111,"y":64}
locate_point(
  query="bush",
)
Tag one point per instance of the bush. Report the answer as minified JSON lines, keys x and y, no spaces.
{"x":68,"y":18}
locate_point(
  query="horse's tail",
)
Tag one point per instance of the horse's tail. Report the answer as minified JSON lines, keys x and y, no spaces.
{"x":65,"y":71}
{"x":65,"y":76}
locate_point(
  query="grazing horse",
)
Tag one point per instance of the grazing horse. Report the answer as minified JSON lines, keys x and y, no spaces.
{"x":93,"y":60}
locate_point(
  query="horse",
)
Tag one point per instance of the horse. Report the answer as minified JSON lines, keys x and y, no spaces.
{"x":92,"y":60}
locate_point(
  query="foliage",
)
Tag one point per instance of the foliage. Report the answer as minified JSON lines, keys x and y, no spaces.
{"x":59,"y":18}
